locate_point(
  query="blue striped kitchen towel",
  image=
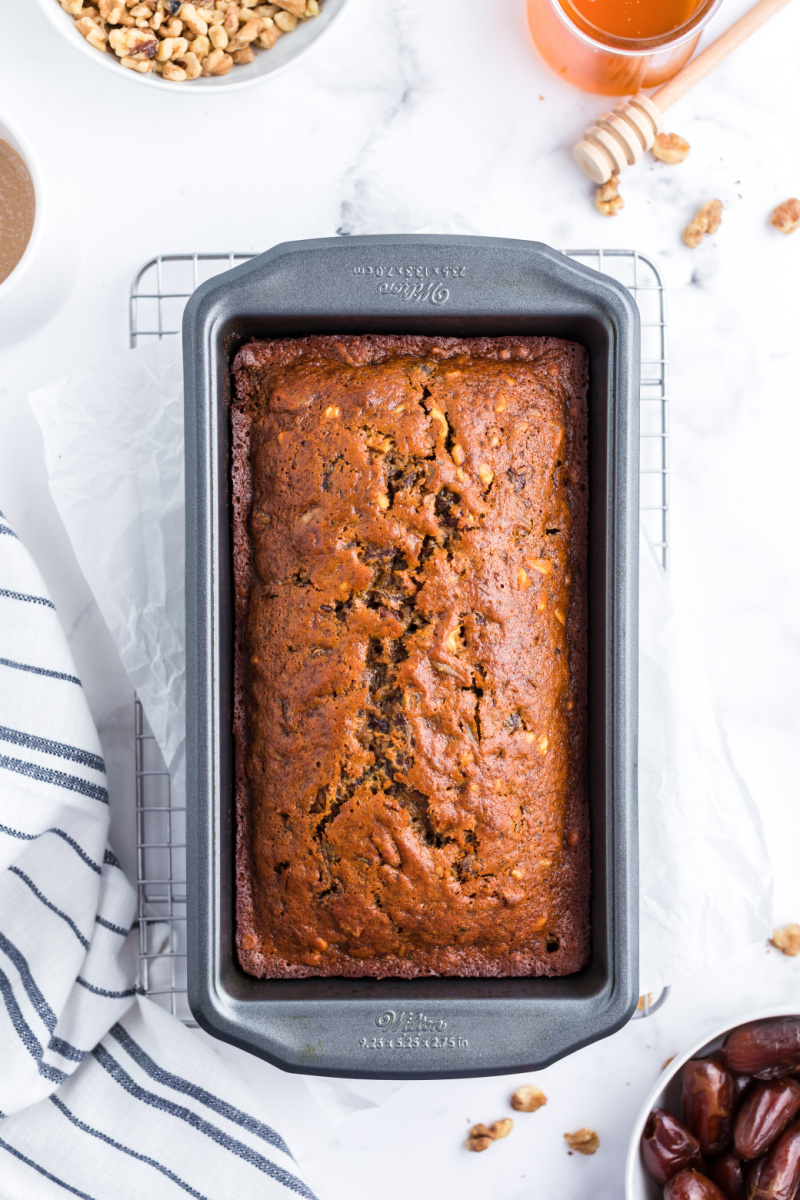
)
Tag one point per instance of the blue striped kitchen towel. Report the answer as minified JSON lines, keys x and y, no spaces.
{"x":103,"y":1095}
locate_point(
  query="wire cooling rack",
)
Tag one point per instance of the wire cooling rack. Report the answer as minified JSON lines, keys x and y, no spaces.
{"x":161,"y":876}
{"x":157,"y":299}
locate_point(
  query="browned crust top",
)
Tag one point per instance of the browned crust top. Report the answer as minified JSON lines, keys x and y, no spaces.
{"x":410,"y":669}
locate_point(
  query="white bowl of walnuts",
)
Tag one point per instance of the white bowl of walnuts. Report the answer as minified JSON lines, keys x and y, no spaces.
{"x":193,"y":47}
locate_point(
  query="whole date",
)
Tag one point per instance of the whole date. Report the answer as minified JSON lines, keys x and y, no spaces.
{"x":728,"y":1174}
{"x":691,"y":1185}
{"x":668,"y":1147}
{"x":766,"y":1112}
{"x":764,"y":1049}
{"x":777,"y":1176}
{"x":708,"y":1096}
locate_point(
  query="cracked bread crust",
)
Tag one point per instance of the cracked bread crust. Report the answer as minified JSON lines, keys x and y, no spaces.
{"x":410,"y":656}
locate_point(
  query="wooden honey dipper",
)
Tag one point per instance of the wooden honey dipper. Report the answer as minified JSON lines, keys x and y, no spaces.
{"x":619,"y":138}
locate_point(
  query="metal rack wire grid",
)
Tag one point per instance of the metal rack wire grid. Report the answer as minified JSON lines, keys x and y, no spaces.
{"x":161,"y":876}
{"x":158,"y":296}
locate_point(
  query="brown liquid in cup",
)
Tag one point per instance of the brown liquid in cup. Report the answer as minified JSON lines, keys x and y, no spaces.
{"x":17,"y":209}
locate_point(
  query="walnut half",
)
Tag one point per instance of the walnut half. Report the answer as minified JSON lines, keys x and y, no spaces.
{"x":479,"y":1138}
{"x":670,"y":148}
{"x":584,"y":1141}
{"x":607,"y":197}
{"x":787,"y":940}
{"x":707,"y":220}
{"x":482,"y":1136}
{"x":528,"y":1098}
{"x":786,"y":218}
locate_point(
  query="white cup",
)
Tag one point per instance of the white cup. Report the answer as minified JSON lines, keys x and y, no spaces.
{"x":43,"y":277}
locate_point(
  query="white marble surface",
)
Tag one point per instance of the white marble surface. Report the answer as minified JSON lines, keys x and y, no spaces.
{"x":408,"y":113}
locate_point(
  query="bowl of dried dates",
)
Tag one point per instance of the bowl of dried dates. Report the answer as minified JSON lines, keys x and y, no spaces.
{"x":723,"y":1120}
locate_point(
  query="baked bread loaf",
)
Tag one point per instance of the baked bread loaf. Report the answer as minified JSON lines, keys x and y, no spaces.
{"x":410,"y":668}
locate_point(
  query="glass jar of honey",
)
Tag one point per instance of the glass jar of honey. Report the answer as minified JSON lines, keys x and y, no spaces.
{"x":617,"y":47}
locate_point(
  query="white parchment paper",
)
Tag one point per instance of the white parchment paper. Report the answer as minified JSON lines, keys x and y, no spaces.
{"x":113,"y":437}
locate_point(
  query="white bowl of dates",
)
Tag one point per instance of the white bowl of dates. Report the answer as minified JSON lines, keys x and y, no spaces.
{"x":723,"y":1120}
{"x":207,"y":45}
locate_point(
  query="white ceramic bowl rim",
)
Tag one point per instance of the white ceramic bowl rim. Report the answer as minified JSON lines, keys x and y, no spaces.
{"x":634,"y":1168}
{"x":11,"y":133}
{"x":63,"y":22}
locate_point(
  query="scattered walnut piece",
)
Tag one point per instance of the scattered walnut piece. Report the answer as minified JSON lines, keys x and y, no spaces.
{"x":528,"y":1098}
{"x":585,"y":1141}
{"x":478,"y":1143}
{"x":481,"y":1136}
{"x":607,"y":197}
{"x":666,"y":1062}
{"x":787,"y":940}
{"x":670,"y":148}
{"x":707,"y":220}
{"x":786,"y":218}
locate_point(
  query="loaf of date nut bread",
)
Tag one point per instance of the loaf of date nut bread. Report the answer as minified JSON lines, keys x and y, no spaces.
{"x":410,"y":672}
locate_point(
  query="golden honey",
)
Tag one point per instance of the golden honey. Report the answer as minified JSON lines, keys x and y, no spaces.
{"x":617,"y":47}
{"x":637,"y":19}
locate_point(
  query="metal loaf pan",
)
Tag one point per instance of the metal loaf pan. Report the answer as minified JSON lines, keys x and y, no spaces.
{"x":464,"y":286}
